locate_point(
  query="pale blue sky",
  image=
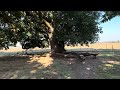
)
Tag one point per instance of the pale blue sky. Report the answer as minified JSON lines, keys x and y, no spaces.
{"x":111,"y":30}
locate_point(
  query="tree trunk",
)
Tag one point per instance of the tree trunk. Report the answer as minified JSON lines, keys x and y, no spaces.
{"x":56,"y":46}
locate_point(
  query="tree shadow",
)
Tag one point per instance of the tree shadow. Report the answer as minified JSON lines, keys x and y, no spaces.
{"x":43,"y":66}
{"x":40,"y":66}
{"x":110,"y":67}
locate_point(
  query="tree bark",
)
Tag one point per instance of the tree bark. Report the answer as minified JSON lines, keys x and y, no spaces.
{"x":56,"y":46}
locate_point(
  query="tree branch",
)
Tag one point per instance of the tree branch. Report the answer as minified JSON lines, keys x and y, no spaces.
{"x":49,"y":26}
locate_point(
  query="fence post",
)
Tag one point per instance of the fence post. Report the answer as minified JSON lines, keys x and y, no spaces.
{"x":106,"y":46}
{"x":80,"y":47}
{"x":113,"y":49}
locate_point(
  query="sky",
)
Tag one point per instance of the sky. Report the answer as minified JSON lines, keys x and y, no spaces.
{"x":111,"y":30}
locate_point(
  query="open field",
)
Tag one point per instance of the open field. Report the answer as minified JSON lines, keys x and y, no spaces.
{"x":100,"y":45}
{"x":92,"y":47}
{"x":15,"y":65}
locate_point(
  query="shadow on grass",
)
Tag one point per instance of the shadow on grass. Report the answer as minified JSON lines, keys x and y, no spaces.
{"x":109,"y":71}
{"x":33,"y":67}
{"x":113,"y":56}
{"x":110,"y":67}
{"x":42,"y":66}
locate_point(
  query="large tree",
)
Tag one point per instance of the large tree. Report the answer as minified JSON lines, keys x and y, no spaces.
{"x":57,"y":28}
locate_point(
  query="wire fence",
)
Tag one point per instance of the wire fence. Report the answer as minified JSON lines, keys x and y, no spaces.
{"x":105,"y":48}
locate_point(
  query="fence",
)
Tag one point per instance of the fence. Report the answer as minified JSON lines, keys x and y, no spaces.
{"x":104,"y":46}
{"x":96,"y":47}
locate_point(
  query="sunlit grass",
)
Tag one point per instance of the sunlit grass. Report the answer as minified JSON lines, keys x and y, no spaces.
{"x":44,"y":61}
{"x":105,"y":54}
{"x":109,"y":65}
{"x":112,"y":62}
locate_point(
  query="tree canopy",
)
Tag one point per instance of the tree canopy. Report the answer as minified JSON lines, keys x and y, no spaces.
{"x":108,"y":15}
{"x":59,"y":27}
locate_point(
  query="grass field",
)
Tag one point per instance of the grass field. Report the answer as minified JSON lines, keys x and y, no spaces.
{"x":100,"y":45}
{"x":15,"y":65}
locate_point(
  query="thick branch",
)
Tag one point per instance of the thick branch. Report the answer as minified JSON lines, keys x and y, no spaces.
{"x":49,"y":26}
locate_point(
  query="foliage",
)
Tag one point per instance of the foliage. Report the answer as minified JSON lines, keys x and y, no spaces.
{"x":79,"y":27}
{"x":72,"y":27}
{"x":108,"y":15}
{"x":21,"y":25}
